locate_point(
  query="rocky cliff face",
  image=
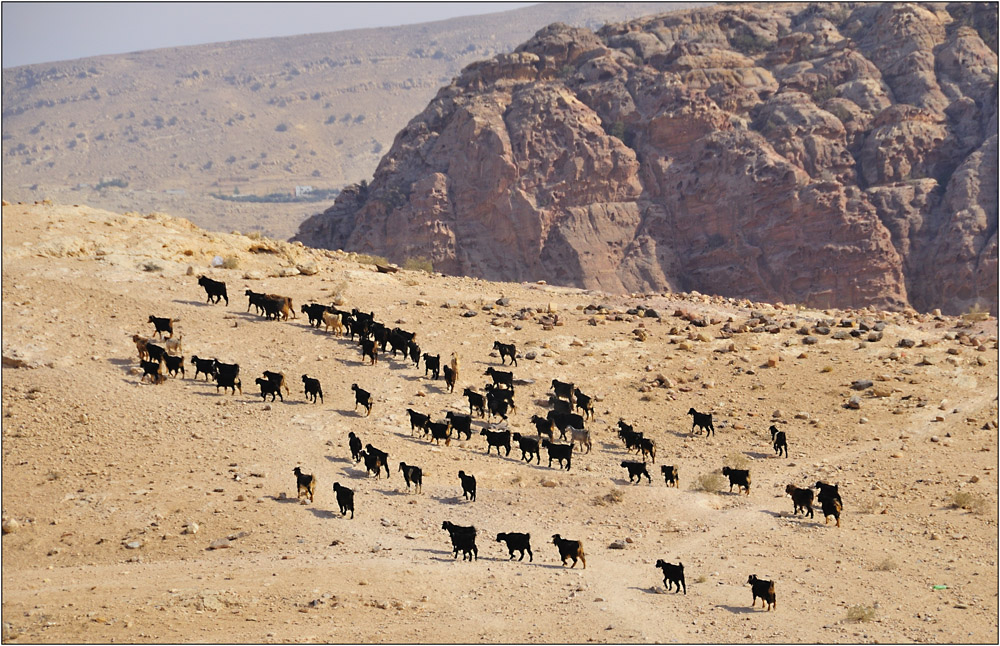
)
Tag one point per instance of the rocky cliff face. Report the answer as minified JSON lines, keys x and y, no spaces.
{"x":833,"y":155}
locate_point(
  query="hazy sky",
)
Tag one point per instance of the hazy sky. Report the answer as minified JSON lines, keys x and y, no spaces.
{"x":42,"y":32}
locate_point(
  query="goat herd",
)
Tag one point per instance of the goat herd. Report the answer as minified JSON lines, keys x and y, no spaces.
{"x":570,"y":410}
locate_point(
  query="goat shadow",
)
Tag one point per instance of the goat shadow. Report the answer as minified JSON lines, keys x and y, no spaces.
{"x":401,"y":492}
{"x":449,"y":500}
{"x":681,"y":434}
{"x":351,"y":413}
{"x":738,"y":610}
{"x":623,"y":482}
{"x":199,"y":303}
{"x":122,"y":363}
{"x":285,"y":500}
{"x":335,"y":458}
{"x":653,"y":590}
{"x":757,"y":456}
{"x":324,"y":513}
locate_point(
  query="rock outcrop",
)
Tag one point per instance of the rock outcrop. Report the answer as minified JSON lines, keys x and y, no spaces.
{"x":833,"y":155}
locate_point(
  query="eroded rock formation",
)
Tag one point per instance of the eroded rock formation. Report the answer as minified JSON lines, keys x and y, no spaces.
{"x":825,"y":154}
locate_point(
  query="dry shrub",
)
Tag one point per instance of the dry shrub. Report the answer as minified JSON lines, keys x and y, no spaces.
{"x":152,"y":265}
{"x":860,"y":613}
{"x":231,"y":262}
{"x":737,"y":461}
{"x":711,"y":482}
{"x":968,"y":500}
{"x":610,"y":498}
{"x":887,"y":565}
{"x":419,"y":263}
{"x":367,"y":259}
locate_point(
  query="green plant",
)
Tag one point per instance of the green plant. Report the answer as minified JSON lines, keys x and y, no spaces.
{"x":823,"y":93}
{"x":419,"y":263}
{"x":710,"y":482}
{"x":860,"y":613}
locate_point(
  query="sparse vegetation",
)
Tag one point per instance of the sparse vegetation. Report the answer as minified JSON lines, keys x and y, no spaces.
{"x":368,"y":259}
{"x":231,"y":262}
{"x":737,"y":461}
{"x":710,"y":482}
{"x":976,"y":313}
{"x":419,"y":263}
{"x":612,"y":497}
{"x":750,"y":44}
{"x":112,"y":183}
{"x":152,"y":265}
{"x":823,"y":93}
{"x":886,"y":565}
{"x":969,"y":501}
{"x":316,"y":195}
{"x":859,"y":614}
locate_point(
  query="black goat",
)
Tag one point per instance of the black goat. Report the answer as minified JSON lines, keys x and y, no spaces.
{"x":227,"y":376}
{"x":418,"y":420}
{"x":779,"y":440}
{"x":562,"y":421}
{"x":462,"y":539}
{"x":268,"y":387}
{"x":412,"y":474}
{"x":740,"y":478}
{"x":801,"y":499}
{"x":213,"y":288}
{"x":174,"y":364}
{"x":432,"y":363}
{"x":497,"y":404}
{"x":414,"y":351}
{"x":372,"y":464}
{"x":345,"y":499}
{"x":312,"y":388}
{"x":543,"y":425}
{"x":517,"y":542}
{"x":278,"y":379}
{"x":703,"y":421}
{"x":382,"y":456}
{"x":305,"y":484}
{"x":763,"y":590}
{"x":501,"y":377}
{"x":461,"y":424}
{"x":673,"y":575}
{"x":560,"y":452}
{"x":369,"y":348}
{"x":255,"y":299}
{"x":362,"y":397}
{"x":440,"y":431}
{"x":648,"y":447}
{"x":476,"y":402}
{"x":528,"y":446}
{"x":163,"y":325}
{"x":584,"y":403}
{"x":450,"y":377}
{"x":506,"y":350}
{"x":354,"y":442}
{"x":469,"y":484}
{"x":829,"y":499}
{"x":155,"y":370}
{"x":315,"y":313}
{"x":569,"y":549}
{"x":670,"y":475}
{"x":497,"y":439}
{"x":563,"y":389}
{"x":206,"y":366}
{"x":637,"y":470}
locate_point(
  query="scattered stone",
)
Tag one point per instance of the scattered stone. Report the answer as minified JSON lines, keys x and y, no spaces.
{"x":10,"y":525}
{"x":862,"y":384}
{"x":219,"y":544}
{"x":133,"y":545}
{"x":810,"y":340}
{"x":616,"y":545}
{"x":191,"y":528}
{"x":854,"y":402}
{"x":906,"y":343}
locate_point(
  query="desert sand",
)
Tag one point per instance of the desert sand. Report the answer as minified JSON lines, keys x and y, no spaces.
{"x":136,"y":512}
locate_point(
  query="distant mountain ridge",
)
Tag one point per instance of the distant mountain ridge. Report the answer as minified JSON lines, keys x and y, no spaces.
{"x":162,"y":130}
{"x":831,"y":154}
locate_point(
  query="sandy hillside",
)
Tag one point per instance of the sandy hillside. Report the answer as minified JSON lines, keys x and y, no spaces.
{"x":104,"y":477}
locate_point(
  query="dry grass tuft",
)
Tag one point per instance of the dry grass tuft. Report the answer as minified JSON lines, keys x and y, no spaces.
{"x":860,"y":614}
{"x":612,"y":497}
{"x":710,"y":482}
{"x":968,"y":500}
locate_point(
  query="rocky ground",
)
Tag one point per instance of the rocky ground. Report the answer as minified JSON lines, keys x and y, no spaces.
{"x":166,"y":513}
